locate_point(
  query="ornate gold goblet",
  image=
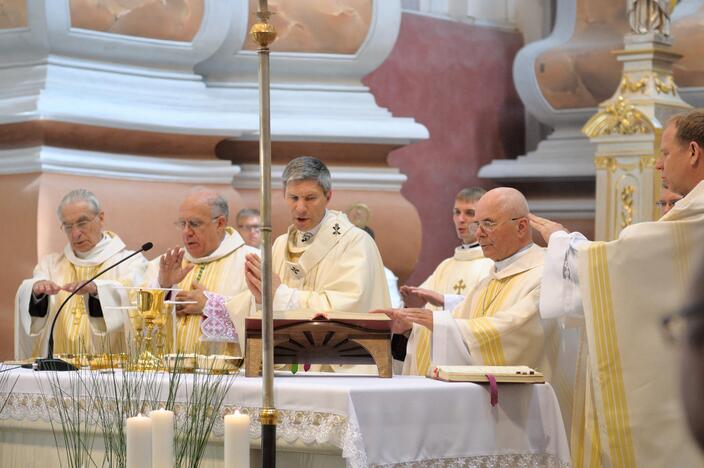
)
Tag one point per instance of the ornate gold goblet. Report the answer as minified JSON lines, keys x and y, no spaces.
{"x":149,"y":323}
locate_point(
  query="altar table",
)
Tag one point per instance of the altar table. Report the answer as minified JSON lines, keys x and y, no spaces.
{"x":353,"y":421}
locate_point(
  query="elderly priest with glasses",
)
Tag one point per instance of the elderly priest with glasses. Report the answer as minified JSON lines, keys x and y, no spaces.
{"x":87,"y":324}
{"x":212,"y":298}
{"x":498,"y":322}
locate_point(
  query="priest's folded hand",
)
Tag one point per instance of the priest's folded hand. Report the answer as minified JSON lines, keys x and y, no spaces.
{"x":399,"y":323}
{"x":253,"y":277}
{"x":196,"y":296}
{"x":45,"y":287}
{"x":89,"y":288}
{"x":423,"y":317}
{"x":414,"y":296}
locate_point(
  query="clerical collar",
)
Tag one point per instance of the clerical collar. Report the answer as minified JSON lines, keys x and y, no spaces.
{"x":501,"y":264}
{"x":306,"y":237}
{"x":468,"y":246}
{"x":98,"y":248}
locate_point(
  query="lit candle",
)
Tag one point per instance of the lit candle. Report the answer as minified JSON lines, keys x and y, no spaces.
{"x":237,"y":440}
{"x":162,"y":438}
{"x":139,"y":442}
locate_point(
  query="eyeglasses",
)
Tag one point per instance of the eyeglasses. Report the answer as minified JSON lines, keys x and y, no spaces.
{"x":675,"y":326}
{"x":193,"y":224}
{"x":489,"y":225}
{"x":250,"y":227}
{"x":663,"y":203}
{"x":80,"y":225}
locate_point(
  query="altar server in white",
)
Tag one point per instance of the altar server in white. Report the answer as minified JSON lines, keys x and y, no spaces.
{"x":88,"y":322}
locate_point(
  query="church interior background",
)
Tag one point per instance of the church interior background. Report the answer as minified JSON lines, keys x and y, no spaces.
{"x":406,"y":101}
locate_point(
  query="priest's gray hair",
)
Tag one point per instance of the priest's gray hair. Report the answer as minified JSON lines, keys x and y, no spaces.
{"x":218,"y":204}
{"x":307,"y":168}
{"x":470,"y":194}
{"x":79,"y":195}
{"x":247,"y":213}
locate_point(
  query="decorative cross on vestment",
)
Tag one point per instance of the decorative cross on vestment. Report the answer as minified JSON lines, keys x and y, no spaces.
{"x":295,"y":270}
{"x":459,"y":286}
{"x":336,"y":230}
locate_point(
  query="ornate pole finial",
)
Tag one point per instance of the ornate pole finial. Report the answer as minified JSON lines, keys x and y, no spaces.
{"x":263,"y":32}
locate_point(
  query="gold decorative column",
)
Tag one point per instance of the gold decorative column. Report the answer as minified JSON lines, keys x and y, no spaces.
{"x":628,"y":127}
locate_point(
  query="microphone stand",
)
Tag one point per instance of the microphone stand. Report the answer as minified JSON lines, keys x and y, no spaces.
{"x":50,"y":363}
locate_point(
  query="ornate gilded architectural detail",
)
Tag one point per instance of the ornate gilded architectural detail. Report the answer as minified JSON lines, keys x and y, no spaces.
{"x":629,"y":86}
{"x":611,"y":164}
{"x":627,"y":205}
{"x":647,"y":162}
{"x":647,"y":16}
{"x":620,"y":118}
{"x":665,"y":87}
{"x":605,"y":163}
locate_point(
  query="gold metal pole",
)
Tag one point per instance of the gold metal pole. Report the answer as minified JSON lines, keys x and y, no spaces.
{"x":264,"y":34}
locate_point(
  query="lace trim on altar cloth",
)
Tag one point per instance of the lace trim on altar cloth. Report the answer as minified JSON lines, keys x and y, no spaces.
{"x":308,"y":427}
{"x":487,"y":461}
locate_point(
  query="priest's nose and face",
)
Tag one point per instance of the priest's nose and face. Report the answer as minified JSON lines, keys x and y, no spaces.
{"x":502,"y":226}
{"x":82,"y":226}
{"x":463,"y":216}
{"x":673,"y":162}
{"x":306,"y":202}
{"x":201,"y":232}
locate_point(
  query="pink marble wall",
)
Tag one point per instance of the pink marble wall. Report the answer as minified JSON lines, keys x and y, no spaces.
{"x":13,"y":14}
{"x":317,"y":26}
{"x":155,"y":19}
{"x":456,"y":80}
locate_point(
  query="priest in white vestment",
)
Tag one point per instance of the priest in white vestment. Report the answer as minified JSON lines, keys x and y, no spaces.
{"x":448,"y":285}
{"x":323,"y":262}
{"x":90,"y":322}
{"x":498,"y":322}
{"x":630,"y":414}
{"x":213,"y":299}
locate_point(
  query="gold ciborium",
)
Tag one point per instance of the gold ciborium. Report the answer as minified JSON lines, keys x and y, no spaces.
{"x":150,"y":323}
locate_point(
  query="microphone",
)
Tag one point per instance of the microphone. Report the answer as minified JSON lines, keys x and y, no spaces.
{"x":49,"y":363}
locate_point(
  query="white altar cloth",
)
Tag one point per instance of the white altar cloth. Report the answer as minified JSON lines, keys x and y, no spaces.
{"x":404,"y":421}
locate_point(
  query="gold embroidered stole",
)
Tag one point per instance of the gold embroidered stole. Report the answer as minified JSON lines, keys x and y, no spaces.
{"x":423,"y":351}
{"x":209,"y":275}
{"x":72,"y":334}
{"x":488,"y":302}
{"x":616,"y":418}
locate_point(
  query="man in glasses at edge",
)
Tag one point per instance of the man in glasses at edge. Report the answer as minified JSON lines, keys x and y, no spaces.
{"x":621,"y":288}
{"x":87,"y":324}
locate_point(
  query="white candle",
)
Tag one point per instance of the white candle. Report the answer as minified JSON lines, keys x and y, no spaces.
{"x":162,"y":438}
{"x":237,"y":440}
{"x":139,"y":442}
